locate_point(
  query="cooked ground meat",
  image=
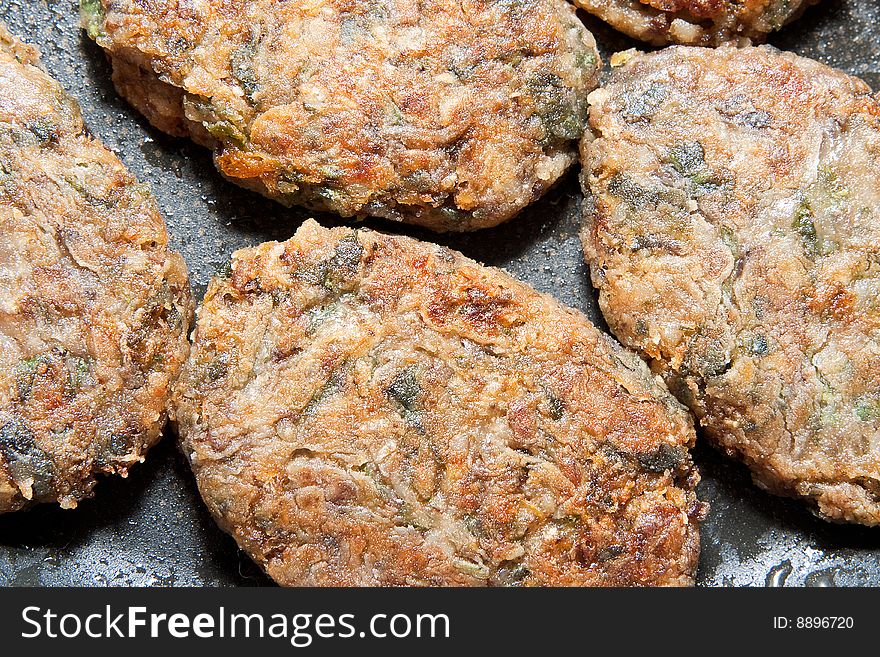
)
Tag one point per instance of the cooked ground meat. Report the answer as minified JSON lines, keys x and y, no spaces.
{"x":361,"y":409}
{"x":696,"y":22}
{"x":450,"y":115}
{"x":94,"y":308}
{"x":733,"y":231}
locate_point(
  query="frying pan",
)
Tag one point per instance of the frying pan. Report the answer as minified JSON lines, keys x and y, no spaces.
{"x":152,"y":529}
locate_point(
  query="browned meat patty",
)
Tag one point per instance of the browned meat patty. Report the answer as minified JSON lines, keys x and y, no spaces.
{"x":94,"y":308}
{"x":361,"y":409}
{"x":696,"y":22}
{"x":734,"y":235}
{"x":450,"y":115}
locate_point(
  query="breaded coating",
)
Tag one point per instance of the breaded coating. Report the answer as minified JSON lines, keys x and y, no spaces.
{"x":449,"y":115}
{"x":94,"y":308}
{"x":697,"y":22}
{"x":734,"y":235}
{"x":362,"y":410}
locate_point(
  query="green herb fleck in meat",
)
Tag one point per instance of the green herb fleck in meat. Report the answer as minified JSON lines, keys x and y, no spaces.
{"x":804,"y":224}
{"x":586,"y":60}
{"x":556,"y":406}
{"x":221,"y":123}
{"x":385,"y":491}
{"x":45,"y":131}
{"x":214,"y":369}
{"x":334,"y":384}
{"x":639,"y":196}
{"x":758,"y":346}
{"x":666,"y":457}
{"x":561,"y":116}
{"x":346,"y":258}
{"x":92,"y":16}
{"x":242,"y":64}
{"x":78,"y":370}
{"x":689,"y":159}
{"x":25,"y":373}
{"x":645,"y":104}
{"x":868,"y":410}
{"x":405,"y":390}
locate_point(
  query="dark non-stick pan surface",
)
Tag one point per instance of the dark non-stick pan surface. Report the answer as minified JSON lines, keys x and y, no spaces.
{"x":152,"y":529}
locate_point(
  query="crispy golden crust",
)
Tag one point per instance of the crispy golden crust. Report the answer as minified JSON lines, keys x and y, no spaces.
{"x":734,"y":235}
{"x":94,"y":308}
{"x":451,"y":115}
{"x":361,"y":409}
{"x":697,"y":22}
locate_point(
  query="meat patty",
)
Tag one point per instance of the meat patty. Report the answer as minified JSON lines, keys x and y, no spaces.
{"x":734,"y":235}
{"x":94,"y":308}
{"x":362,"y":409}
{"x":450,"y":115}
{"x":696,"y":22}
